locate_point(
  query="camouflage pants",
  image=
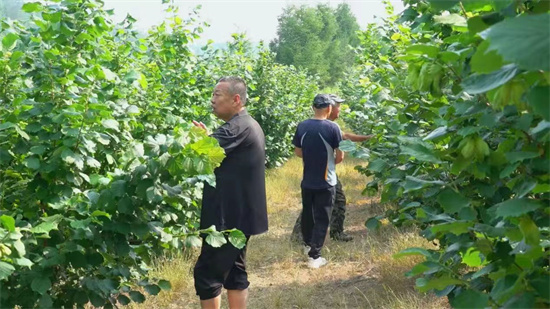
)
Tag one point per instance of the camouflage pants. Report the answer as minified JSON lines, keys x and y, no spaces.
{"x":336,"y":219}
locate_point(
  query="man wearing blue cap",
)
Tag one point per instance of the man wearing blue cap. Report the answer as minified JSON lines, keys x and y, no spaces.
{"x":316,"y":141}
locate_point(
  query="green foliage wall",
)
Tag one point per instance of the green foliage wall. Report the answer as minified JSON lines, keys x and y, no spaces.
{"x":100,"y":168}
{"x":459,"y":105}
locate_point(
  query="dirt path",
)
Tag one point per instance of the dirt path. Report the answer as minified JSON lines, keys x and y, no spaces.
{"x":360,"y":273}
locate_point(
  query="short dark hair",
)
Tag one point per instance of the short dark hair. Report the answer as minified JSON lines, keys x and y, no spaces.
{"x":237,"y":85}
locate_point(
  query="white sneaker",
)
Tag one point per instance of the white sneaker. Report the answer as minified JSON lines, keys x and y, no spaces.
{"x":306,"y":249}
{"x":316,"y":263}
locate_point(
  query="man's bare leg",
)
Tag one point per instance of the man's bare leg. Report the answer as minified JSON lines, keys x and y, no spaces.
{"x":212,"y":303}
{"x":237,"y":298}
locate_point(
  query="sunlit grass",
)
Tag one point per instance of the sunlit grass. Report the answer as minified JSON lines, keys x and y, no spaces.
{"x":360,"y":274}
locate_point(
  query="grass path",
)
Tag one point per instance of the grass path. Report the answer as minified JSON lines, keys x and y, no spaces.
{"x":360,"y":273}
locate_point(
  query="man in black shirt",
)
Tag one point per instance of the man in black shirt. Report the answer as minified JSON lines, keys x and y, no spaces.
{"x":238,"y":200}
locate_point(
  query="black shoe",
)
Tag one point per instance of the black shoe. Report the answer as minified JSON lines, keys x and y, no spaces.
{"x":342,"y":237}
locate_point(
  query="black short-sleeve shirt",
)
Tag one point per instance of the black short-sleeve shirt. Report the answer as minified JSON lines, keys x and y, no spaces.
{"x":318,"y":140}
{"x":238,"y":200}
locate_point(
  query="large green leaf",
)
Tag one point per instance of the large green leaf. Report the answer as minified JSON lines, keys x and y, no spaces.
{"x":457,"y":227}
{"x":443,"y":4}
{"x":484,"y":61}
{"x":516,"y":207}
{"x":470,"y":299}
{"x":451,"y":201}
{"x":8,"y":222}
{"x":237,"y":239}
{"x":539,"y":100}
{"x":424,"y":285}
{"x":216,"y":239}
{"x":481,"y":83}
{"x":451,"y":19}
{"x":524,"y":40}
{"x":5,"y":270}
{"x":420,"y":153}
{"x":423,"y":49}
{"x":41,"y":284}
{"x":31,"y":7}
{"x":517,"y":156}
{"x":412,"y":251}
{"x":9,"y":40}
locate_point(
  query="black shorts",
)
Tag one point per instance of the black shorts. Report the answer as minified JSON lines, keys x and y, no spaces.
{"x":216,"y":267}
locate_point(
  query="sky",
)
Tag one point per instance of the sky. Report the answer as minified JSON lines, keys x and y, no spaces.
{"x":256,"y":18}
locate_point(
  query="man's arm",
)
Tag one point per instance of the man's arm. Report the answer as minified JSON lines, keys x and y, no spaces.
{"x":356,"y":137}
{"x":339,"y":156}
{"x":298,"y":152}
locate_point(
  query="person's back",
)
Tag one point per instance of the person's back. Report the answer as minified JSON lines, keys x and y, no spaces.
{"x":316,"y":141}
{"x":319,"y":139}
{"x":238,"y":201}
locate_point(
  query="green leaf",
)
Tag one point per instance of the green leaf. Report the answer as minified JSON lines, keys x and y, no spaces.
{"x":137,"y":297}
{"x":373,"y":224}
{"x":517,"y":156}
{"x":216,"y":239}
{"x":422,"y":49}
{"x":9,"y":40}
{"x":6,"y":125}
{"x":472,"y":258}
{"x":530,"y":231}
{"x":451,"y":201}
{"x":237,"y":239}
{"x":377,"y":166}
{"x":45,"y":302}
{"x":412,"y":251}
{"x":123,"y":300}
{"x":521,"y":301}
{"x":511,"y":37}
{"x":443,"y":4}
{"x":68,"y":156}
{"x":456,"y":227}
{"x":99,"y":213}
{"x":24,"y":262}
{"x":449,"y":56}
{"x":45,"y":227}
{"x":5,"y":270}
{"x":451,"y":19}
{"x":110,"y":124}
{"x":476,"y":25}
{"x":420,"y":153}
{"x":152,"y":289}
{"x":542,"y":286}
{"x":8,"y":222}
{"x":436,"y":133}
{"x":484,"y":62}
{"x":41,"y":284}
{"x":538,"y":99}
{"x":424,"y":285}
{"x":516,"y":207}
{"x":31,"y":7}
{"x":165,"y":285}
{"x":347,"y":146}
{"x":481,"y":83}
{"x":22,"y":133}
{"x":39,"y":150}
{"x":32,"y":163}
{"x":470,"y":299}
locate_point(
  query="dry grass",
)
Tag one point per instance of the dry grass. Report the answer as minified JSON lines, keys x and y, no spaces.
{"x":360,"y":274}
